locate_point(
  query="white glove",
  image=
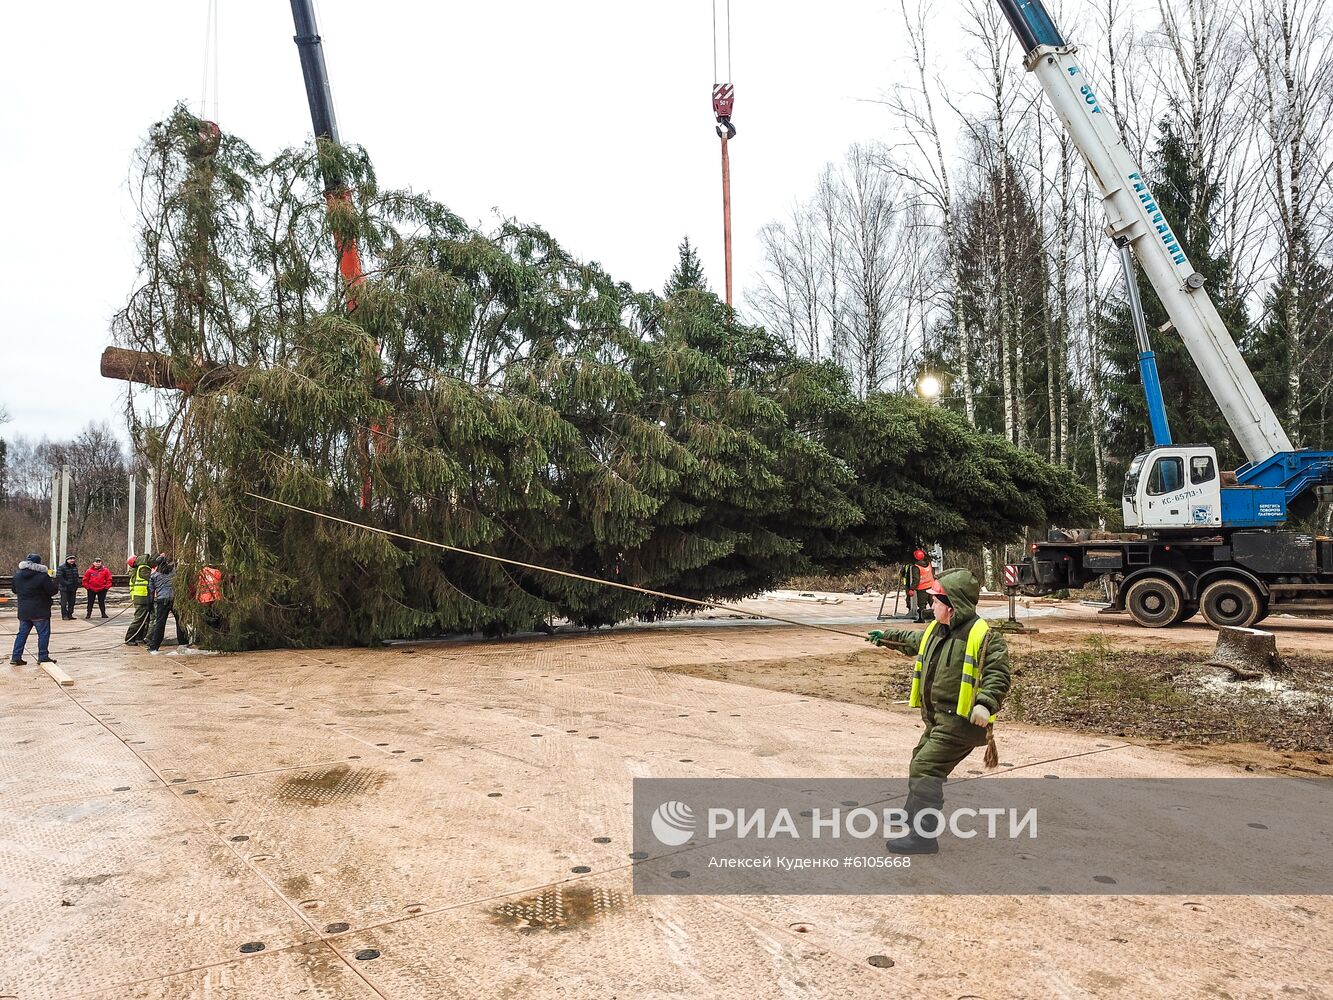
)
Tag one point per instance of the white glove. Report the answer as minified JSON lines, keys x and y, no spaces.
{"x":980,"y":715}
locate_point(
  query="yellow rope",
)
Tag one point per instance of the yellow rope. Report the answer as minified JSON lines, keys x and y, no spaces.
{"x":547,"y":569}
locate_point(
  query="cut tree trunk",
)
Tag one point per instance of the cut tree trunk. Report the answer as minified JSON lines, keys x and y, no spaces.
{"x":162,"y":372}
{"x":1249,"y":653}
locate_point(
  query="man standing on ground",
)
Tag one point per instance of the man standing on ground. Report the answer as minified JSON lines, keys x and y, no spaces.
{"x":923,"y":577}
{"x":959,"y":681}
{"x":162,"y":583}
{"x":141,"y":569}
{"x":68,"y":579}
{"x":35,"y":587}
{"x":97,"y":581}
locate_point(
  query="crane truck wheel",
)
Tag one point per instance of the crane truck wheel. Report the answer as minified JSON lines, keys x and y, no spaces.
{"x":1154,"y":602}
{"x":1232,"y":603}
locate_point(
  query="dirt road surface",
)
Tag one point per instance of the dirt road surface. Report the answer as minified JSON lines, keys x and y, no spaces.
{"x":452,"y":820}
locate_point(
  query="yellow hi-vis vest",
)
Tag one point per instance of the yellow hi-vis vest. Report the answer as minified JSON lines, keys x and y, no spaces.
{"x":139,"y":581}
{"x":967,"y":689}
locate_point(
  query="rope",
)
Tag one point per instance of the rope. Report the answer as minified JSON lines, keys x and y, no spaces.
{"x":727,"y":15}
{"x":210,"y":58}
{"x":729,"y":73}
{"x":547,"y":569}
{"x":88,"y":628}
{"x":217,"y":60}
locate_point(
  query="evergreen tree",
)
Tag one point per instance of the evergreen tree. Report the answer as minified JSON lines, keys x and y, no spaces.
{"x":1191,"y":209}
{"x":1269,"y":349}
{"x":502,"y":397}
{"x":921,"y":472}
{"x":688,"y":274}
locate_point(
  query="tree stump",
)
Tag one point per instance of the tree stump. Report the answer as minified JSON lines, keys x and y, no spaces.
{"x":1249,"y":653}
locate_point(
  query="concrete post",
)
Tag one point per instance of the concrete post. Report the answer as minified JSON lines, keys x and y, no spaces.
{"x":129,"y":531}
{"x":52,"y":559}
{"x":149,"y":491}
{"x":64,"y":514}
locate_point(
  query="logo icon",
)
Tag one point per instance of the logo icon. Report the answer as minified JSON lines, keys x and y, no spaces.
{"x":673,"y":823}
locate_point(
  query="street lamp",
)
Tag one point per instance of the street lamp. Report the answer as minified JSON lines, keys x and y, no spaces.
{"x":928,"y":387}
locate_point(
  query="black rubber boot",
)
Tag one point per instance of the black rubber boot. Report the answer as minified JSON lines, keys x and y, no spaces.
{"x":913,"y":844}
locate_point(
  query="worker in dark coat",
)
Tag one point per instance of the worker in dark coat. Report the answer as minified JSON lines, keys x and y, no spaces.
{"x":68,"y":579}
{"x":162,"y":583}
{"x":35,"y":587}
{"x":959,"y":681}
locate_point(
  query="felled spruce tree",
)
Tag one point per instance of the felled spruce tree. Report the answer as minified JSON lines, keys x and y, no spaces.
{"x":497,"y":395}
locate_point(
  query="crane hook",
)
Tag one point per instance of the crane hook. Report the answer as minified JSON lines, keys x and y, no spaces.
{"x":724,"y":96}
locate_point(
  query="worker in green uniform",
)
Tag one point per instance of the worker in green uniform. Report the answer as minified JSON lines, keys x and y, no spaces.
{"x":140,"y":567}
{"x":959,"y":682}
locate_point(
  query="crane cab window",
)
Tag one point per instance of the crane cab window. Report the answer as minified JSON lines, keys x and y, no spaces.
{"x":1167,"y":476}
{"x":1132,"y":477}
{"x":1202,"y":469}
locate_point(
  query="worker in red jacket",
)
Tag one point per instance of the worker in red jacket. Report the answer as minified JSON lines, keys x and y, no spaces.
{"x":97,"y":581}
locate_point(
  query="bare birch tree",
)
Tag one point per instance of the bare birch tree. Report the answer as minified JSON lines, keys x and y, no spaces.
{"x":924,"y":167}
{"x":993,"y":57}
{"x":1290,"y":43}
{"x":840,"y":279}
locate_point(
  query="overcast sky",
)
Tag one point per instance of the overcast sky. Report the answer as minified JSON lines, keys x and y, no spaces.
{"x":589,"y":117}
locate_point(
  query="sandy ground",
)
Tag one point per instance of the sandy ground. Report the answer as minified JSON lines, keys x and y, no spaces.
{"x":452,"y":820}
{"x":826,"y":666}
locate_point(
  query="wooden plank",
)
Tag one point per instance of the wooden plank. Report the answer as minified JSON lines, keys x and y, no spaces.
{"x":58,"y":675}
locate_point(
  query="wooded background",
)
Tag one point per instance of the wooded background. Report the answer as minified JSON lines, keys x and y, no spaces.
{"x":99,"y":472}
{"x":969,"y":242}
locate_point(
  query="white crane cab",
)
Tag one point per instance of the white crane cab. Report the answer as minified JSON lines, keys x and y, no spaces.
{"x":1178,"y":487}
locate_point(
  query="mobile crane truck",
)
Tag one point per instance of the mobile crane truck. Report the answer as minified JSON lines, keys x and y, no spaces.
{"x":1207,"y":540}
